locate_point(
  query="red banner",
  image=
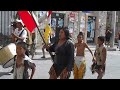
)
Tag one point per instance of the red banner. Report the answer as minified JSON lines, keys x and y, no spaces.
{"x":27,"y":20}
{"x":49,"y":13}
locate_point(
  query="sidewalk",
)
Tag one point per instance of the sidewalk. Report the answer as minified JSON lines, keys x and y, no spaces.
{"x":91,"y":46}
{"x":39,"y":49}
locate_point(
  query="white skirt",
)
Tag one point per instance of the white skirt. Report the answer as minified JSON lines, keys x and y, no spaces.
{"x":78,"y":60}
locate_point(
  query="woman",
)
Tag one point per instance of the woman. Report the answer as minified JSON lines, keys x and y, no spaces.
{"x":64,"y":56}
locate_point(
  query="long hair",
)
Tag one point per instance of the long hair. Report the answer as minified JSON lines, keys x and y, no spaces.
{"x":67,"y":33}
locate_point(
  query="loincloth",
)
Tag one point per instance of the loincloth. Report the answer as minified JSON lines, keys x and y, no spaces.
{"x":79,"y":60}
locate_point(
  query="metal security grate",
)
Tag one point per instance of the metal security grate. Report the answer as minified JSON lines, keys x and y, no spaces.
{"x":6,"y":17}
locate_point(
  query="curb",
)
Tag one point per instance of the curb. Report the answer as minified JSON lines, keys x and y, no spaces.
{"x":111,"y":49}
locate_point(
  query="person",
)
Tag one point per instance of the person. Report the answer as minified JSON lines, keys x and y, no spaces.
{"x":19,"y":34}
{"x":47,"y":41}
{"x":108,"y":36}
{"x":100,"y":57}
{"x":52,"y":37}
{"x":118,"y":37}
{"x":22,"y":63}
{"x":80,"y":63}
{"x":14,"y":26}
{"x":64,"y":56}
{"x":33,"y":44}
{"x":33,"y":35}
{"x":28,"y":40}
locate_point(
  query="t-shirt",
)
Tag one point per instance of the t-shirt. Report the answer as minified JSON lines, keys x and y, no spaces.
{"x":24,"y":34}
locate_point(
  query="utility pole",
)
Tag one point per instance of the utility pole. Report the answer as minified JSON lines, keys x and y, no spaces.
{"x":85,"y":38}
{"x":79,"y":21}
{"x":36,"y":35}
{"x":113,"y":27}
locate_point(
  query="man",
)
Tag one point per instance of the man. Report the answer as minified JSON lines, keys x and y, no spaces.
{"x":20,"y":33}
{"x":47,"y":33}
{"x":108,"y":36}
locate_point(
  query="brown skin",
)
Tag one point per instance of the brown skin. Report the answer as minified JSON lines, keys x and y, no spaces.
{"x":81,"y":45}
{"x":62,"y":40}
{"x":118,"y":35}
{"x":20,"y":55}
{"x":33,"y":71}
{"x":12,"y":36}
{"x":104,"y":53}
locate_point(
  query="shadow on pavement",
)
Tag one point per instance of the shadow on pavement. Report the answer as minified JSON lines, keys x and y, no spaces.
{"x":4,"y":73}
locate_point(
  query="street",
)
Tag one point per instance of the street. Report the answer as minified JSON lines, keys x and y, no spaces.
{"x":43,"y":66}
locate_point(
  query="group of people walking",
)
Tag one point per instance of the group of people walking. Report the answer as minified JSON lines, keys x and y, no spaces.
{"x":64,"y":59}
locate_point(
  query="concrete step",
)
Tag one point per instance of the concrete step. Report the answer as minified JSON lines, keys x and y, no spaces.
{"x":111,"y":49}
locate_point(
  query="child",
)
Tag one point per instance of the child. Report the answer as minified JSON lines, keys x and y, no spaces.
{"x":22,"y":63}
{"x":80,"y":65}
{"x":100,"y":60}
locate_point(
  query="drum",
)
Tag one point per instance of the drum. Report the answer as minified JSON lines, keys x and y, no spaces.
{"x":7,"y":53}
{"x":11,"y":62}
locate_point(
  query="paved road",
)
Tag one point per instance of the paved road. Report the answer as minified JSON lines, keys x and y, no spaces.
{"x":43,"y":66}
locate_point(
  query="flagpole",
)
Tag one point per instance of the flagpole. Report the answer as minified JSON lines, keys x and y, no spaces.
{"x":41,"y":35}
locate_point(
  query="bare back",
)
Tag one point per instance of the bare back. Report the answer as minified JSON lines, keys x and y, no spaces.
{"x":80,"y":49}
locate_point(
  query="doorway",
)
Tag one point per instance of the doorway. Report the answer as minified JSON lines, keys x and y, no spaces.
{"x":91,"y":27}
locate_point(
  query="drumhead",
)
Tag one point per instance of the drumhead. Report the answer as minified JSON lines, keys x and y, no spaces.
{"x":9,"y":63}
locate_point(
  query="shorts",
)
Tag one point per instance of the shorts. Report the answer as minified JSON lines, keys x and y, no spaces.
{"x":95,"y":67}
